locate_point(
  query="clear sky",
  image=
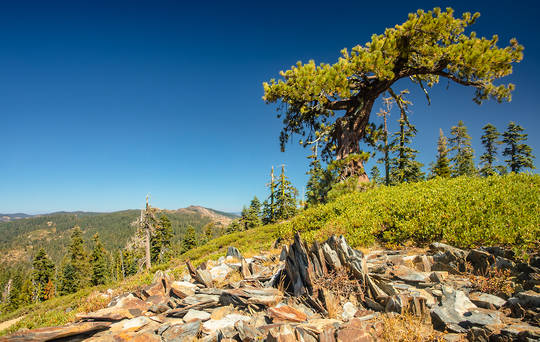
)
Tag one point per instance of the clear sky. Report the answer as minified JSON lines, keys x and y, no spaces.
{"x":102,"y":102}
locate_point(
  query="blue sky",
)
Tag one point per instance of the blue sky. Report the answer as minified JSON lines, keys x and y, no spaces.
{"x":104,"y":102}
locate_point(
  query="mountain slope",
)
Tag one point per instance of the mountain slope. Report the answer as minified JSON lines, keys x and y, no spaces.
{"x":11,"y":217}
{"x":19,"y":238}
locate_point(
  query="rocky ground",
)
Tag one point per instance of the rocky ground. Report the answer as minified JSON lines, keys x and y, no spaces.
{"x":326,"y":292}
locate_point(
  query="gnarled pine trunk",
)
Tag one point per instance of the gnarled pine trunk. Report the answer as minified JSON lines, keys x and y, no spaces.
{"x":349,"y":130}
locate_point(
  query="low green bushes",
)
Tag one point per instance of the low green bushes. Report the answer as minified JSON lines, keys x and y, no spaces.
{"x":464,"y":211}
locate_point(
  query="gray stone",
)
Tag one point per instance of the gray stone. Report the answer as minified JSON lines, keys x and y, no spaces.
{"x":234,"y":252}
{"x":486,"y":300}
{"x":451,"y":312}
{"x":480,"y":260}
{"x":182,"y":332}
{"x":529,"y":299}
{"x":194,"y":315}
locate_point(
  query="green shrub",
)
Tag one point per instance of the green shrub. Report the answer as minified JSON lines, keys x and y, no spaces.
{"x":463,"y":211}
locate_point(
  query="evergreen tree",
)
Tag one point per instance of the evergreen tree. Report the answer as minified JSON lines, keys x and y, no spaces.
{"x":234,"y":226}
{"x":425,"y":49}
{"x":376,"y":175}
{"x":160,"y":242}
{"x":117,"y":267}
{"x":285,"y":197}
{"x":130,"y":262}
{"x":68,"y":282}
{"x":43,"y":273}
{"x":441,"y":168}
{"x":190,"y":239}
{"x":490,"y":140}
{"x":269,"y":205}
{"x":251,"y":216}
{"x":320,"y":180}
{"x":208,"y":231}
{"x":384,"y":145}
{"x":405,"y":167}
{"x":26,"y":294}
{"x":14,"y":296}
{"x":75,"y":271}
{"x":463,"y":160}
{"x":520,"y":155}
{"x":98,"y":263}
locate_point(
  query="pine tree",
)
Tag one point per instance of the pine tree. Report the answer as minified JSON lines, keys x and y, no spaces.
{"x":405,"y":167}
{"x":463,"y":160}
{"x":98,"y":263}
{"x":160,"y":242}
{"x":43,"y":273}
{"x":68,"y":282}
{"x":490,"y":140}
{"x":26,"y":293}
{"x":251,"y":216}
{"x":520,"y":155}
{"x":208,"y":231}
{"x":234,"y":226}
{"x":75,"y":273}
{"x":269,"y":205}
{"x":320,"y":180}
{"x":375,"y":175}
{"x":441,"y":168}
{"x":384,"y":145}
{"x":285,"y":197}
{"x":190,"y":239}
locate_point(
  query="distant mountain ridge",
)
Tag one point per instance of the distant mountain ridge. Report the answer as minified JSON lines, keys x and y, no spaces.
{"x":22,"y":234}
{"x":192,"y":208}
{"x":11,"y":217}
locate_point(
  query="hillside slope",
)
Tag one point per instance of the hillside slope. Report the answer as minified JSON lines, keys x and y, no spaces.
{"x":462,"y":211}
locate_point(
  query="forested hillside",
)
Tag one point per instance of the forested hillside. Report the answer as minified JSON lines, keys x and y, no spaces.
{"x":19,"y":238}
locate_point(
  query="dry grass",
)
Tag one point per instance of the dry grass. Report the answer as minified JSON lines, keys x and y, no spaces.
{"x":332,"y":305}
{"x":407,"y":328}
{"x":340,"y":284}
{"x":495,"y":281}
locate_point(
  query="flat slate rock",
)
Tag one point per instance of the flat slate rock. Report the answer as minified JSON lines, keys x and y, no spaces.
{"x":52,"y":333}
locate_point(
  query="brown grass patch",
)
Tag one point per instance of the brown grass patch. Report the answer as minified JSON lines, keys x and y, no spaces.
{"x":407,"y":328}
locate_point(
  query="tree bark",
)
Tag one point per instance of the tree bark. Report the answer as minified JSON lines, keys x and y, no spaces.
{"x":349,"y":130}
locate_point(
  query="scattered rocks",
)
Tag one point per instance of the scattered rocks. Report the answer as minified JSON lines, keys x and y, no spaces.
{"x":319,"y":281}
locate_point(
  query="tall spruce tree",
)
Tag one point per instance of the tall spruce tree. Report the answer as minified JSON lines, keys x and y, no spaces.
{"x":375,"y":175}
{"x":190,"y":239}
{"x":160,"y":241}
{"x":320,"y":180}
{"x":384,"y":145}
{"x":285,"y":197}
{"x":98,"y":263}
{"x":75,"y":271}
{"x":520,"y":154}
{"x":269,"y":205}
{"x":251,"y":216}
{"x":208,"y":231}
{"x":405,"y":167}
{"x":463,"y":159}
{"x":43,"y":272}
{"x":490,"y":140}
{"x":441,"y":168}
{"x":68,"y":281}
